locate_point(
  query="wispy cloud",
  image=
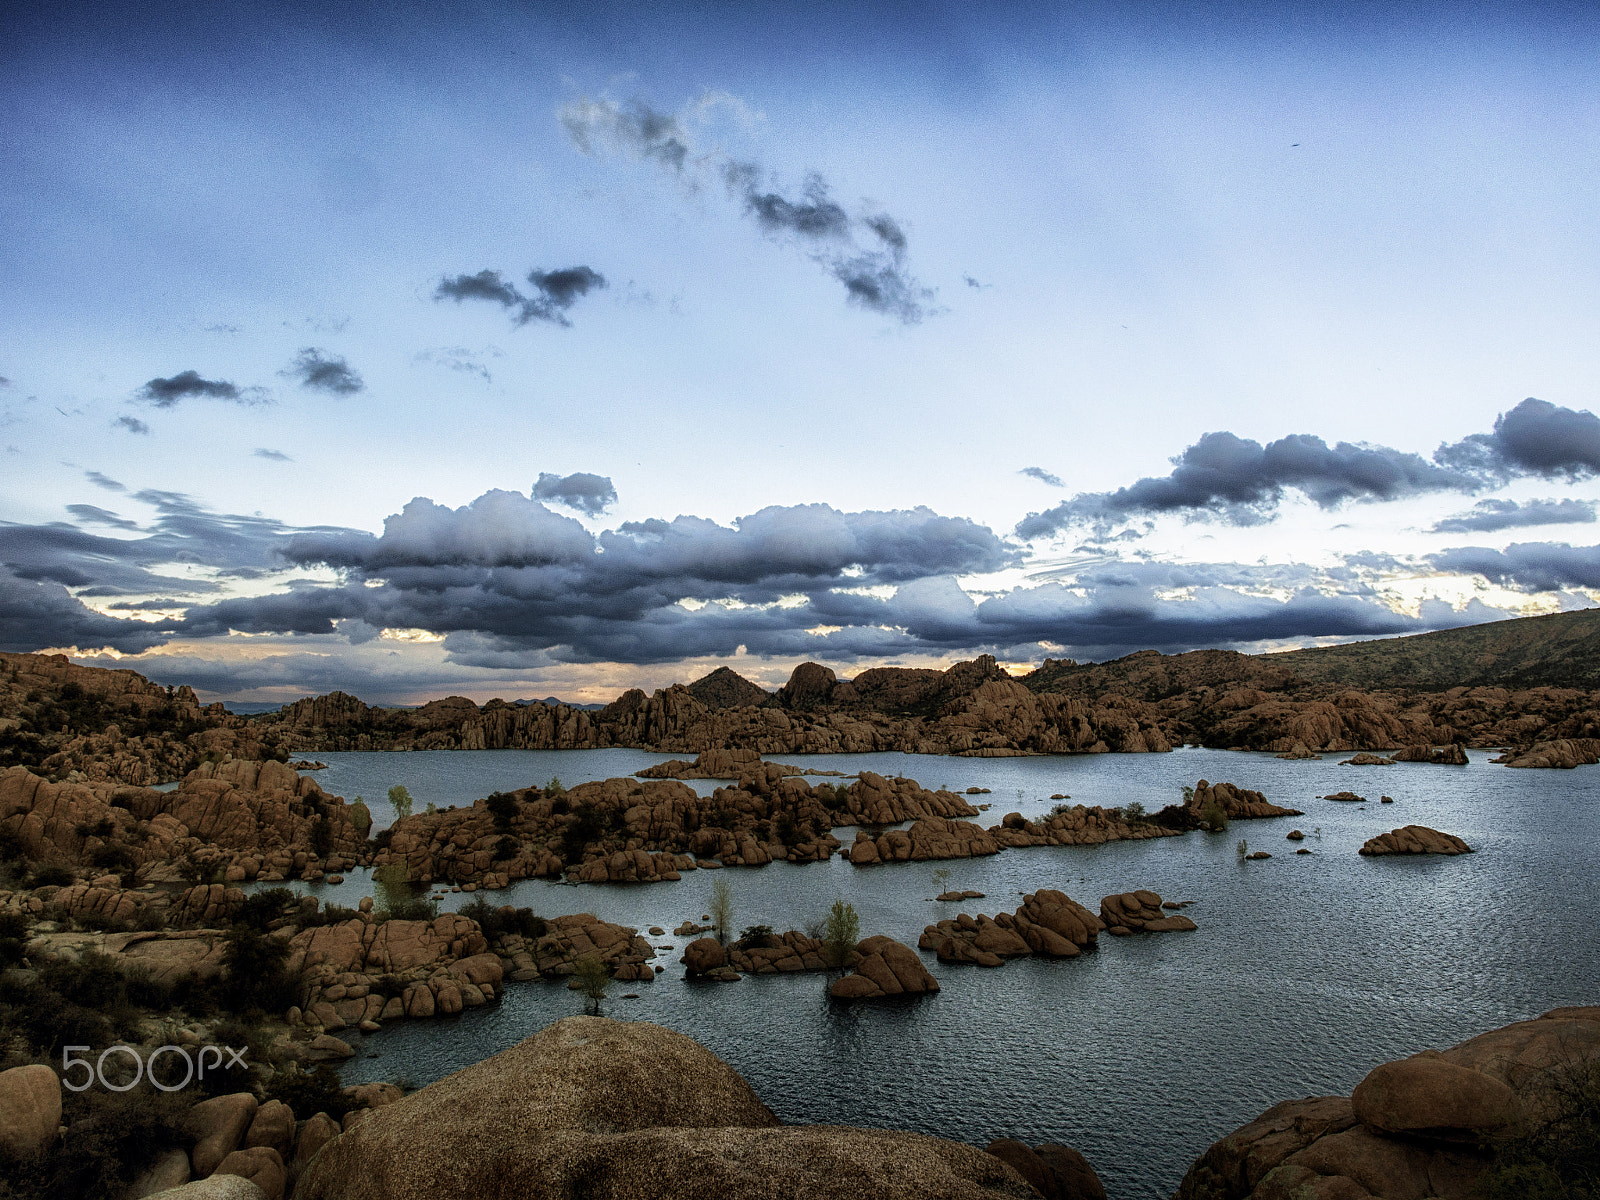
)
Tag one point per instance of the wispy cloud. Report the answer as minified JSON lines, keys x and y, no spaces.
{"x":553,"y":294}
{"x":1042,"y":476}
{"x":187,"y":385}
{"x":1488,"y":516}
{"x":274,"y":455}
{"x":323,"y":371}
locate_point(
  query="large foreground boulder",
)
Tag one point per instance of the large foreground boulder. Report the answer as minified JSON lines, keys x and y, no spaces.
{"x":1415,"y":1128}
{"x":30,"y":1110}
{"x":607,"y":1110}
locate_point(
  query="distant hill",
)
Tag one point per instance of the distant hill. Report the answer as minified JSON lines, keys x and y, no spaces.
{"x":725,"y":688}
{"x":552,"y":701}
{"x":1559,"y":650}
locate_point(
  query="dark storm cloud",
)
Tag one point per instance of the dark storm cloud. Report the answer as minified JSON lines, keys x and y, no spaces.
{"x":1242,"y":482}
{"x":324,"y":371}
{"x":588,"y":494}
{"x":164,"y":393}
{"x":1534,"y":438}
{"x":1042,"y":476}
{"x":36,"y":613}
{"x":1526,"y":566}
{"x":554,"y":292}
{"x":104,"y":481}
{"x":274,"y":455}
{"x":1487,"y":516}
{"x":866,"y":254}
{"x":132,"y":424}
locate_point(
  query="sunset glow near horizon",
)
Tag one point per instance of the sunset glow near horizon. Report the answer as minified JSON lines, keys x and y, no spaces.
{"x":556,"y":350}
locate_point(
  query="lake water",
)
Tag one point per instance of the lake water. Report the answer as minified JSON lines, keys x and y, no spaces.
{"x":1306,"y":971}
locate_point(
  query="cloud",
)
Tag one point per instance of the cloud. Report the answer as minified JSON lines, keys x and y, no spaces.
{"x":1534,"y":438}
{"x":274,"y":455}
{"x":104,"y":481}
{"x":1487,"y":516}
{"x":1242,"y":482}
{"x":323,"y":371}
{"x":1526,"y":566}
{"x":588,"y":494}
{"x":164,"y":393}
{"x":38,"y":613}
{"x":459,"y":358}
{"x":554,"y":292}
{"x":866,"y":253}
{"x":99,"y":516}
{"x":132,"y":424}
{"x":1042,"y":476}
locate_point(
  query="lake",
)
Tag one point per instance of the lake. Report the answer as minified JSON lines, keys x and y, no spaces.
{"x":1305,"y":973}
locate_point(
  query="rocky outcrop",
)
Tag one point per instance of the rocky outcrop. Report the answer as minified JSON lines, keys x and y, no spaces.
{"x":1049,"y":923}
{"x":1056,"y":1172}
{"x":1415,"y":839}
{"x":1237,"y":804}
{"x":1367,"y":760}
{"x":30,"y":1110}
{"x":604,"y":1109}
{"x":1076,"y":826}
{"x":1562,"y":754}
{"x":885,"y":968}
{"x":1141,"y":912}
{"x":1414,"y":1127}
{"x":927,"y":839}
{"x":1444,"y":756}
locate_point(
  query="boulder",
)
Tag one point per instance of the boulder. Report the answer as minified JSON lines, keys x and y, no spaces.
{"x":273,"y":1127}
{"x":169,"y":1171}
{"x":316,"y":1133}
{"x":704,"y":956}
{"x":1075,"y":1178}
{"x":261,"y":1165}
{"x":1141,"y":912}
{"x":1430,"y":1097}
{"x":30,"y":1109}
{"x":327,"y":1048}
{"x":886,"y":968}
{"x":1365,"y":759}
{"x":218,"y":1187}
{"x":218,"y":1126}
{"x":1415,"y":839}
{"x":1025,"y":1162}
{"x":612,"y":1110}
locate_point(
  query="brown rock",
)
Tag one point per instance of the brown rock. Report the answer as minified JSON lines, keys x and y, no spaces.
{"x":273,"y":1126}
{"x":704,"y":955}
{"x":1415,"y":839}
{"x":1027,"y":1164}
{"x":30,"y":1109}
{"x":1075,"y":1178}
{"x":1428,"y":1096}
{"x":317,"y":1132}
{"x":616,"y":1110}
{"x":218,"y":1126}
{"x":886,"y":968}
{"x":261,"y":1165}
{"x":171,"y":1170}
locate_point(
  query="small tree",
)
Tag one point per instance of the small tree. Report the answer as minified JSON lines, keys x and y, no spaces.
{"x":841,"y":930}
{"x":941,"y":880}
{"x":593,"y":979}
{"x":361,"y":817}
{"x":1243,"y":847}
{"x":401,"y":799}
{"x":1214,"y":818}
{"x":721,"y":907}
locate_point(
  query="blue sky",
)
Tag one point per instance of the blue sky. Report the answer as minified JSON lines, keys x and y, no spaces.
{"x":837,"y":260}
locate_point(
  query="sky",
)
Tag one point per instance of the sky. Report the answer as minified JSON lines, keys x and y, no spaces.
{"x":553,"y":349}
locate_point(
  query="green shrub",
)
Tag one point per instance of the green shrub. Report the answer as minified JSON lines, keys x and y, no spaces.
{"x":402,"y":801}
{"x":504,"y":808}
{"x":506,"y":847}
{"x":310,"y":1092}
{"x":361,"y":817}
{"x":593,"y":979}
{"x":52,"y":875}
{"x":841,"y":930}
{"x":261,"y":909}
{"x":13,"y":938}
{"x":256,"y":979}
{"x":496,"y":923}
{"x":755,"y":937}
{"x":113,"y":1137}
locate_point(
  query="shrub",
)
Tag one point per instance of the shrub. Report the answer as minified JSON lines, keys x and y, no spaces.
{"x":495,"y":922}
{"x":787,"y":828}
{"x":554,"y":787}
{"x":361,"y":817}
{"x":11,"y":848}
{"x":256,"y":978}
{"x":310,"y":1092}
{"x":506,"y":847}
{"x":593,"y":979}
{"x":504,"y":808}
{"x":720,"y":906}
{"x":1242,"y":848}
{"x":401,"y":799}
{"x":398,"y":900}
{"x":1214,"y":818}
{"x":321,"y":831}
{"x":588,"y":823}
{"x":13,"y":937}
{"x":52,"y":875}
{"x":261,"y":909}
{"x":113,"y":1137}
{"x":754,"y":936}
{"x":841,"y":930}
{"x":1555,"y":1154}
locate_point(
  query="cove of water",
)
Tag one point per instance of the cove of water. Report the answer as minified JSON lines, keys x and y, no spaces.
{"x":1306,"y":971}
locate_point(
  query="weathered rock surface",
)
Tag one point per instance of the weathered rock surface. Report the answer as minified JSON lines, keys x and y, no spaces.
{"x":218,"y":1126}
{"x":1415,"y":839}
{"x":1367,"y":760}
{"x":613,"y":1110}
{"x":1049,"y":923}
{"x":30,"y":1110}
{"x":1237,"y":804}
{"x":1408,"y":1131}
{"x":1056,"y":1172}
{"x":1562,"y":754}
{"x":1141,"y":912}
{"x":885,"y":968}
{"x":1446,"y":756}
{"x":217,"y":1187}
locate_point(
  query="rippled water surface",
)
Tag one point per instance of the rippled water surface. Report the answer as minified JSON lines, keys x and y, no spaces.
{"x":1305,"y":973}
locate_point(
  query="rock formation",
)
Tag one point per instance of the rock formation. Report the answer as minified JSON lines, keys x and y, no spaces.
{"x":1049,"y":923}
{"x":885,"y":968}
{"x":1562,"y":753}
{"x":611,"y":1109}
{"x":1414,"y":1127}
{"x":1415,"y":839}
{"x":1140,"y":912}
{"x":1237,"y":804}
{"x":1446,"y":756}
